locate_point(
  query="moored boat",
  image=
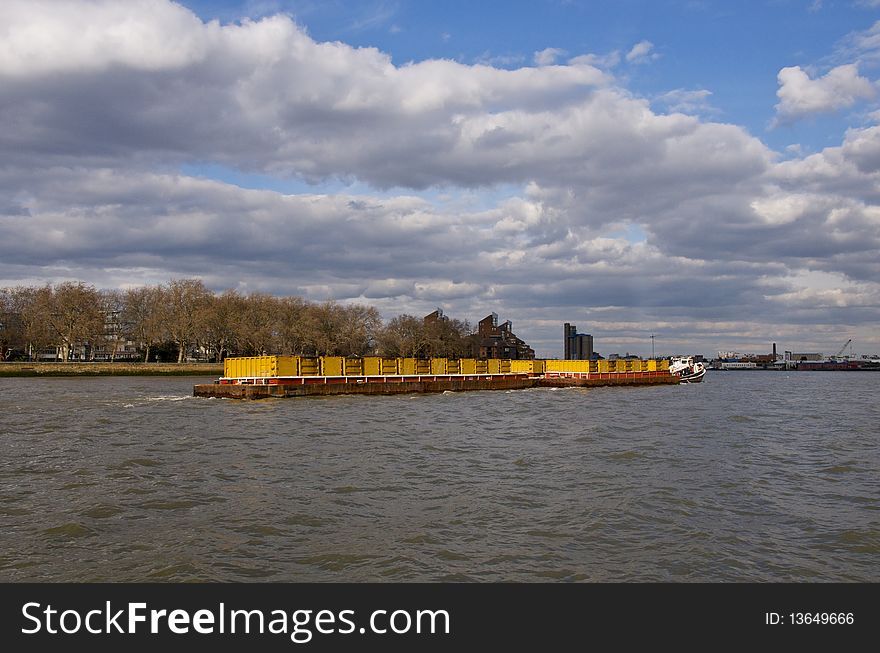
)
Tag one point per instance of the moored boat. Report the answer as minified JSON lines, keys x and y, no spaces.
{"x":687,"y":370}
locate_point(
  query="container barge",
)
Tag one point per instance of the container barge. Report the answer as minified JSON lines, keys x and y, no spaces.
{"x":261,"y":377}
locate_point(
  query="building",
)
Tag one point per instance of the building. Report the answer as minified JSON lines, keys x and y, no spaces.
{"x":494,"y":340}
{"x":806,"y":357}
{"x":577,"y":346}
{"x":737,"y":365}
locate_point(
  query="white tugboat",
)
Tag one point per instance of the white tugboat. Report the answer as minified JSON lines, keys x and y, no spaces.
{"x":686,"y":369}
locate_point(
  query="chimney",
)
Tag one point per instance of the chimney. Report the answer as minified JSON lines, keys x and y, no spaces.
{"x":774,"y":351}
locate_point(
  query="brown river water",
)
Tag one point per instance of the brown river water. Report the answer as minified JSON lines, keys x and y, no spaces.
{"x":749,"y":476}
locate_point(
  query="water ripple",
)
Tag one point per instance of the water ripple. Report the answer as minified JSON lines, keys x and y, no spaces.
{"x":758,"y":483}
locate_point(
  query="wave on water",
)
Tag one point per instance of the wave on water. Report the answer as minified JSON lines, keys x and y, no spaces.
{"x":170,"y":398}
{"x":121,"y":479}
{"x":141,"y":401}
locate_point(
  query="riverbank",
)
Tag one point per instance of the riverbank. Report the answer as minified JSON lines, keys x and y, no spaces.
{"x":110,"y":369}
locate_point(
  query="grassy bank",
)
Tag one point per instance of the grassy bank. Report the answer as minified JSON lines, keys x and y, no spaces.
{"x":110,"y":369}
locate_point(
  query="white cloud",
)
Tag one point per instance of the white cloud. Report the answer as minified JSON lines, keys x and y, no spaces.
{"x":95,"y":125}
{"x":785,"y":208}
{"x":684,"y":101}
{"x":603,"y":61}
{"x":801,"y":96}
{"x":642,"y":52}
{"x":500,"y":60}
{"x":548,"y":56}
{"x":265,"y":96}
{"x":54,"y":38}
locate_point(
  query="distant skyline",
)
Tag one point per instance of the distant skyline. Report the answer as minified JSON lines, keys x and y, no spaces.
{"x":707,"y":172}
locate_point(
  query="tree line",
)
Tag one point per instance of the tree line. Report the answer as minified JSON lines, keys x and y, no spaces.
{"x":183,"y":318}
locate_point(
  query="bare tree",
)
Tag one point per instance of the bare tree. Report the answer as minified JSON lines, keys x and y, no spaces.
{"x":403,"y":336}
{"x":186,"y":312}
{"x":184,"y":301}
{"x":256,"y":323}
{"x":447,"y":338}
{"x":326,"y":325}
{"x":73,"y":313}
{"x":143,"y":317}
{"x":295,"y":326}
{"x":344,"y":330}
{"x":9,"y":324}
{"x":27,"y":303}
{"x":217,"y":333}
{"x":360,"y":328}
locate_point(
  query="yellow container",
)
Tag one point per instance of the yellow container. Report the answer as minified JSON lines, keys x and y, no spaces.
{"x":438,"y":366}
{"x":407,"y":366}
{"x":389,"y":366}
{"x":530,"y":366}
{"x":261,"y":366}
{"x":453,"y":366}
{"x":467,"y":366}
{"x":372,"y":366}
{"x":482,"y":367}
{"x":553,"y":365}
{"x":423,"y":366}
{"x":309,"y":367}
{"x":570,"y":366}
{"x":499,"y":366}
{"x":354,"y":367}
{"x":288,"y":365}
{"x":663,"y":365}
{"x":332,"y":365}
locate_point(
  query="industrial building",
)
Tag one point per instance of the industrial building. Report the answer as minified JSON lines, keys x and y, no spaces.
{"x":578,"y":346}
{"x":494,"y":340}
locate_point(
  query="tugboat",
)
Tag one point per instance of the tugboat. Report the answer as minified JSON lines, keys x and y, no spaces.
{"x":687,"y":370}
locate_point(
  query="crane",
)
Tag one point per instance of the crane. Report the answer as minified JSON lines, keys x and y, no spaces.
{"x":843,"y":349}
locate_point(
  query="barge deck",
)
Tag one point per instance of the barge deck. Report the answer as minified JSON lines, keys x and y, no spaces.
{"x":265,"y":377}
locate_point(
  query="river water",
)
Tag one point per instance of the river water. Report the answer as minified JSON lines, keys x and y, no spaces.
{"x":750,"y":476}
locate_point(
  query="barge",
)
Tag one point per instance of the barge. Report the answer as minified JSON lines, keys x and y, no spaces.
{"x":262,"y":377}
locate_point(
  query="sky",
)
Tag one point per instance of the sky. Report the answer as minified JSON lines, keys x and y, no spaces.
{"x":705,"y":172}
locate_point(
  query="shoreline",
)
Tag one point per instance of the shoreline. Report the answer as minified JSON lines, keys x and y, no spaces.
{"x":53,"y":369}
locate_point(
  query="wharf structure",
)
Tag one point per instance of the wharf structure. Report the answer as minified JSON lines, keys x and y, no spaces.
{"x":259,"y":377}
{"x":800,"y":361}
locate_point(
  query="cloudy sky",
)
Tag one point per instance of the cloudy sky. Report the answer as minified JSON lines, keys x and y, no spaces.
{"x":705,"y":171}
